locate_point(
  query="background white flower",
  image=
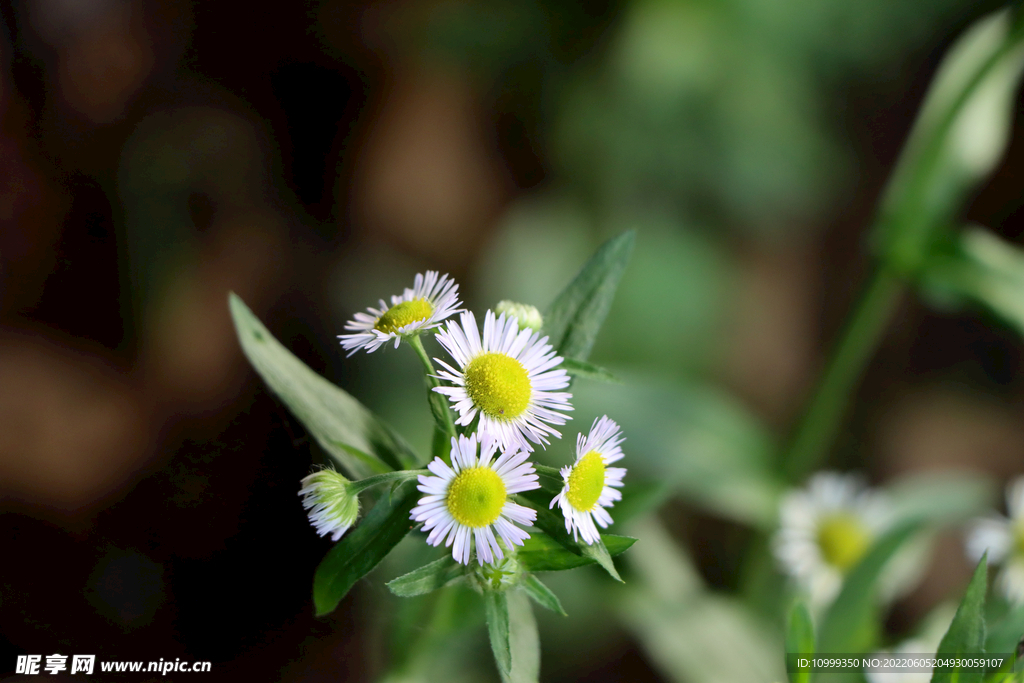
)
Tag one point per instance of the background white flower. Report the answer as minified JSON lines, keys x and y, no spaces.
{"x":825,"y":530}
{"x":589,"y":484}
{"x":468,"y":501}
{"x":431,"y":300}
{"x":509,"y":378}
{"x":1003,"y":538}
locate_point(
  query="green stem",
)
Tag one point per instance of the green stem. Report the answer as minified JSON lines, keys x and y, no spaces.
{"x":438,"y":402}
{"x":385,"y":478}
{"x":824,"y":415}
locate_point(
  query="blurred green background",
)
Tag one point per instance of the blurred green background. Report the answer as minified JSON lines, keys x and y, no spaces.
{"x":313,"y":157}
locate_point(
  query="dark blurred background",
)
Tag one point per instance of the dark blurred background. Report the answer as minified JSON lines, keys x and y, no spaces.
{"x":312,"y":157}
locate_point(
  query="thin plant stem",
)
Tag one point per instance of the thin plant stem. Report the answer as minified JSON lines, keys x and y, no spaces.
{"x":438,"y":402}
{"x":827,"y":407}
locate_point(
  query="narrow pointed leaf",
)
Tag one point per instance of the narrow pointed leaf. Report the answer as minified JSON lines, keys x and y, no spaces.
{"x":849,"y":625}
{"x":353,"y":436}
{"x":496,"y":611}
{"x":542,"y":595}
{"x":524,"y":643}
{"x":800,"y":638}
{"x":363,"y":548}
{"x":576,"y":315}
{"x":581,"y":368}
{"x":541,"y":553}
{"x":966,"y":635}
{"x":428,"y":578}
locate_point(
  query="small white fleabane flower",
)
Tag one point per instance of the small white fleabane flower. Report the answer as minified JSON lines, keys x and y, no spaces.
{"x":509,"y":377}
{"x":825,"y":530}
{"x":468,"y":501}
{"x":432,"y":299}
{"x":589,"y":484}
{"x":1003,"y":538}
{"x":333,"y":507}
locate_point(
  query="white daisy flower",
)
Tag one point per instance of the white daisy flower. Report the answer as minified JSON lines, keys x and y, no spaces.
{"x":469,"y":501}
{"x":825,"y":530}
{"x":432,"y":299}
{"x":509,"y":378}
{"x":590,"y":485}
{"x":333,"y":506}
{"x":1003,"y":538}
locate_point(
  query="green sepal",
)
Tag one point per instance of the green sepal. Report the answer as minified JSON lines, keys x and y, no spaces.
{"x":800,"y":638}
{"x":850,"y":623}
{"x":363,"y":548}
{"x":577,"y":313}
{"x":428,"y":578}
{"x":541,"y":553}
{"x":353,"y":436}
{"x":496,"y":612}
{"x":542,"y":595}
{"x":966,"y":634}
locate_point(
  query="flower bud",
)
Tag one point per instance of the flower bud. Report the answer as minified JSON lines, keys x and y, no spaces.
{"x":527,"y":315}
{"x":332,"y":503}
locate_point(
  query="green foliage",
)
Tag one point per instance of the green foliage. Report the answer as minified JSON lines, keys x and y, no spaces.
{"x":359,"y":441}
{"x":428,"y":578}
{"x":524,"y":643}
{"x":542,"y":595}
{"x":542,"y":553}
{"x":575,"y":317}
{"x":363,"y":548}
{"x":554,"y":526}
{"x":850,"y":624}
{"x":800,"y":638}
{"x":496,"y":612}
{"x":966,"y":635}
{"x":580,"y":368}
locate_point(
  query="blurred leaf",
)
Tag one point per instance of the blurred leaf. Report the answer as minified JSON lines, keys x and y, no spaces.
{"x":542,"y":595}
{"x":849,"y":625}
{"x":524,"y":643}
{"x":941,"y":497}
{"x":350,"y":433}
{"x":575,"y":317}
{"x":981,"y":267}
{"x":958,"y":138}
{"x":496,"y":612}
{"x":363,"y":548}
{"x":541,"y":553}
{"x":427,"y":578}
{"x":580,"y":368}
{"x":695,"y":439}
{"x":554,"y":526}
{"x":1004,"y":636}
{"x":966,"y":635}
{"x":689,"y":633}
{"x":800,"y":638}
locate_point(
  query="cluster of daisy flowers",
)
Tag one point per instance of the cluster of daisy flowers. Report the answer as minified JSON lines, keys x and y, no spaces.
{"x":505,"y":385}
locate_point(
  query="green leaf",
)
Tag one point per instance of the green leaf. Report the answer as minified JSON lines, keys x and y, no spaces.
{"x":581,"y":368}
{"x":359,"y":441}
{"x":942,"y":498}
{"x":541,"y":553}
{"x":800,"y":638}
{"x":958,"y":137}
{"x":542,"y":595}
{"x":849,"y":625}
{"x":966,"y":635}
{"x":554,"y":526}
{"x":428,"y":578}
{"x":1005,"y":635}
{"x":363,"y":548}
{"x":496,"y":612}
{"x":575,"y":317}
{"x":524,"y":643}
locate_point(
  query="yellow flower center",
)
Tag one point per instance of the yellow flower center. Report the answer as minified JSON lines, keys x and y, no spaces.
{"x":843,"y":539}
{"x":476,"y":496}
{"x":586,"y":481}
{"x":400,"y":315}
{"x":498,"y":385}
